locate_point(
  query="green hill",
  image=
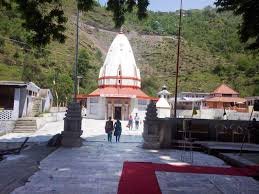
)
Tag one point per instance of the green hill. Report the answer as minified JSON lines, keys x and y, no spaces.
{"x":211,"y":53}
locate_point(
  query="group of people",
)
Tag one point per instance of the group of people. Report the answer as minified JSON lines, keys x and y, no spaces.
{"x":117,"y":128}
{"x":137,"y":122}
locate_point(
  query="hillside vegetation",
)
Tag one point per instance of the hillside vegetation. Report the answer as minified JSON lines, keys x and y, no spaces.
{"x":211,"y":53}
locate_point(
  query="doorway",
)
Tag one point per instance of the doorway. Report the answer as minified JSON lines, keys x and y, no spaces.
{"x":117,"y":112}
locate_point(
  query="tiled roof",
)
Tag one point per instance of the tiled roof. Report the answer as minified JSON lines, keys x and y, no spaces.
{"x":224,"y":89}
{"x":117,"y":92}
{"x":226,"y":99}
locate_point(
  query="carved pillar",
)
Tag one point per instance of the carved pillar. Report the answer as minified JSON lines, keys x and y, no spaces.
{"x":151,"y":128}
{"x":72,"y":126}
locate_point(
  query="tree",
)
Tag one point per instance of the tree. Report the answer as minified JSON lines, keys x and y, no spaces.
{"x":47,"y":22}
{"x":249,"y":10}
{"x":83,"y":62}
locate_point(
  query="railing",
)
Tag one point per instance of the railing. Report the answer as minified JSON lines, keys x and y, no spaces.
{"x":6,"y":114}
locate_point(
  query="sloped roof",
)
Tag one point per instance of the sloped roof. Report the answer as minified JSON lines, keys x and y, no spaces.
{"x":13,"y":83}
{"x":224,"y":89}
{"x":29,"y":85}
{"x":226,"y":99}
{"x":117,"y":92}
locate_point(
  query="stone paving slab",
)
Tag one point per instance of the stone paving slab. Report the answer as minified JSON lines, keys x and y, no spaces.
{"x":96,"y":167}
{"x":16,"y":169}
{"x":205,"y":183}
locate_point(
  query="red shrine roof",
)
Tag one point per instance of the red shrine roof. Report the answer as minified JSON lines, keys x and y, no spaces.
{"x":224,"y":89}
{"x":118,"y":92}
{"x":226,"y":99}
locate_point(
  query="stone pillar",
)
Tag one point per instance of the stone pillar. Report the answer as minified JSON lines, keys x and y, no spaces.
{"x":16,"y":104}
{"x":151,"y":128}
{"x":112,"y":109}
{"x":72,"y":126}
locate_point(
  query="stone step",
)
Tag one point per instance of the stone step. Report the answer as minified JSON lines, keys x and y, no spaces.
{"x":26,"y":127}
{"x":24,"y":131}
{"x":26,"y":123}
{"x":26,"y":119}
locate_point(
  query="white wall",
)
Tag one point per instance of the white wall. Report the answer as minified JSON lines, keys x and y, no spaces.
{"x":96,"y":110}
{"x":163,"y":112}
{"x":217,"y":114}
{"x":6,"y":126}
{"x":16,"y":104}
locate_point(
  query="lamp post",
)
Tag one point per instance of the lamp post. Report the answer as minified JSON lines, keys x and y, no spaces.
{"x":178,"y":59}
{"x":73,"y":120}
{"x":78,"y":80}
{"x":76,"y":58}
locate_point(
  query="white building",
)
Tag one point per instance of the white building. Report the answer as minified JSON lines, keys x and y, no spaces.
{"x":47,"y":99}
{"x":189,"y":100}
{"x":21,"y":99}
{"x":119,"y":91}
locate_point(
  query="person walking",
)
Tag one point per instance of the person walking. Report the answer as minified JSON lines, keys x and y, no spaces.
{"x":130,"y":123}
{"x":118,"y":129}
{"x":109,"y":129}
{"x":136,"y":121}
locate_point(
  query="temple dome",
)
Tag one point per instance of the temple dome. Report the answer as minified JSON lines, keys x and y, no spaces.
{"x":119,"y":68}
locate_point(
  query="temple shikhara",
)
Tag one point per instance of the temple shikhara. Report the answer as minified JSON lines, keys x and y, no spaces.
{"x":119,"y":91}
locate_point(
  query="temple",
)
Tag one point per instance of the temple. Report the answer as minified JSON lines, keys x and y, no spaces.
{"x":119,"y":91}
{"x":225,"y":97}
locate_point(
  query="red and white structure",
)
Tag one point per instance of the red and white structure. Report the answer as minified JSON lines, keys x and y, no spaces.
{"x":119,"y":91}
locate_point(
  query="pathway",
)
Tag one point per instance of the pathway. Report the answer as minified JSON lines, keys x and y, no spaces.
{"x":93,"y":130}
{"x":96,"y":167}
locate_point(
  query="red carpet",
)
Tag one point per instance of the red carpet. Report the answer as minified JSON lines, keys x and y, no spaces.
{"x":140,"y":177}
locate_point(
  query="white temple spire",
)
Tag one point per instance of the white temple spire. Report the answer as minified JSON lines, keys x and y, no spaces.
{"x":120,"y":67}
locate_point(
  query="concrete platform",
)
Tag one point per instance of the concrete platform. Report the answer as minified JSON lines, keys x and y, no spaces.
{"x":245,"y":159}
{"x":227,"y":146}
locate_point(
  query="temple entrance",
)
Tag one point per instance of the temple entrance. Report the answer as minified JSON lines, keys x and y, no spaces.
{"x":117,"y":108}
{"x":117,"y":112}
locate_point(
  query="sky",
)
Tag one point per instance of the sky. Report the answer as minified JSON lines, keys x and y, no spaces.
{"x":172,"y":5}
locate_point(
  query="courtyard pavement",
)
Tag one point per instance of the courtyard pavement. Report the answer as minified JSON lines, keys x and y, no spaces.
{"x":93,"y":130}
{"x":96,"y":167}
